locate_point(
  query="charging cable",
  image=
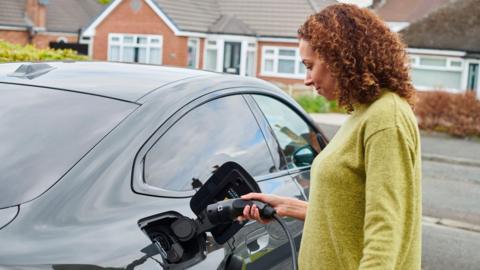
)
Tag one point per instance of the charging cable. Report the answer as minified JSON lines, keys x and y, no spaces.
{"x":223,"y":212}
{"x":228,"y":210}
{"x":293,"y":249}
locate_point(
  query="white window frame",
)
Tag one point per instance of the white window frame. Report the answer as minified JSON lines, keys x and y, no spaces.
{"x":149,"y":45}
{"x":465,"y":75}
{"x":415,"y":64}
{"x":197,"y":51}
{"x":448,"y":67}
{"x":246,"y":46}
{"x":220,"y":45}
{"x":276,"y":57}
{"x":215,"y":47}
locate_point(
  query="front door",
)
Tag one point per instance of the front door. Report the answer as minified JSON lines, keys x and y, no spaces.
{"x":231,"y":57}
{"x":472,"y":81}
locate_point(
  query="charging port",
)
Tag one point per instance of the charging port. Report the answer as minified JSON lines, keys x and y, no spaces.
{"x":176,"y":253}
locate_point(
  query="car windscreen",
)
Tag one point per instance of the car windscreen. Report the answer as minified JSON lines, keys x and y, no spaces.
{"x":44,"y":132}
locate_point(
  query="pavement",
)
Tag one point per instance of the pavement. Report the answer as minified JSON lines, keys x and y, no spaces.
{"x":451,"y":175}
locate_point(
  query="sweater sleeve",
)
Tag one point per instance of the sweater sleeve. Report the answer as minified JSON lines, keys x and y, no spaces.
{"x":390,"y":199}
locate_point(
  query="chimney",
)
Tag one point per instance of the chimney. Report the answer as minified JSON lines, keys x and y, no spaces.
{"x":36,"y":11}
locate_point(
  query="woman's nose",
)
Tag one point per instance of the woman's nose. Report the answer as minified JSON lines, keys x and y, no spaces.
{"x":308,"y":80}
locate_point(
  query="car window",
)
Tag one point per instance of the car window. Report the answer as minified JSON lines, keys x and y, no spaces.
{"x":295,"y":137}
{"x":45,"y":132}
{"x":216,"y":132}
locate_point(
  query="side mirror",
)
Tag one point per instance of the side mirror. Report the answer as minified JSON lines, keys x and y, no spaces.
{"x":304,"y":156}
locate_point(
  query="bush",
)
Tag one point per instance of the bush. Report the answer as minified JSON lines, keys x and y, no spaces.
{"x":456,"y":114}
{"x":14,"y":53}
{"x":318,"y":104}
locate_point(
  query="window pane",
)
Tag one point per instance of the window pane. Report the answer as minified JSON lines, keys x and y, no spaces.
{"x":142,"y":40}
{"x":115,"y":39}
{"x":211,"y":60}
{"x":291,"y":131}
{"x":212,"y":42}
{"x":433,"y":62}
{"x":437,"y":79}
{"x":456,"y":64}
{"x":286,"y":52}
{"x":192,"y":57}
{"x":286,"y":66}
{"x":155,"y":56}
{"x":128,"y":54}
{"x":215,"y":134}
{"x":142,"y":55}
{"x":45,"y":132}
{"x":269,"y":65}
{"x":154,"y":41}
{"x":227,"y":56}
{"x":270,"y":51}
{"x":301,"y":68}
{"x":250,"y":64}
{"x":114,"y":53}
{"x":192,"y":53}
{"x":128,"y":39}
{"x":192,"y":42}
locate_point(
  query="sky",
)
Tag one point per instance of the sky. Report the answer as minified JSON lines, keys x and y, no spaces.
{"x":362,"y":3}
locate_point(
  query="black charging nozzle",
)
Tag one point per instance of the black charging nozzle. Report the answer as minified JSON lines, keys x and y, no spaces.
{"x":228,"y":210}
{"x":223,"y":212}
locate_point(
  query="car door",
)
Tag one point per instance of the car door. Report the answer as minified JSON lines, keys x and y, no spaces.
{"x":219,"y":128}
{"x":260,"y":246}
{"x":298,"y":139}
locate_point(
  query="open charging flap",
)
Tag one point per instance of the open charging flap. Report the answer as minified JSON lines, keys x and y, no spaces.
{"x":229,"y":181}
{"x":181,"y":240}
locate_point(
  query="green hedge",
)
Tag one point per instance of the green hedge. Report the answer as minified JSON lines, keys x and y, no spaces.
{"x":318,"y":104}
{"x":16,"y":53}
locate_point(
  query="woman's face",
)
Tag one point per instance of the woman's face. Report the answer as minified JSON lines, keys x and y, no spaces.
{"x":318,"y":75}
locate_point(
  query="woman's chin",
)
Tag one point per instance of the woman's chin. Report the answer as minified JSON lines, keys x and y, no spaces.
{"x":327,"y":95}
{"x":320,"y":92}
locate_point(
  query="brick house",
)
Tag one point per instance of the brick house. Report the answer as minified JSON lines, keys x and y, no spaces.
{"x":444,"y":48}
{"x":40,"y":22}
{"x":238,"y":37}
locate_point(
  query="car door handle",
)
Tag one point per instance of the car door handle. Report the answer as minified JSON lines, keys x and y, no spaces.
{"x":257,"y":240}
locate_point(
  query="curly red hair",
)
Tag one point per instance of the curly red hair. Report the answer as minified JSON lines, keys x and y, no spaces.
{"x":361,"y":53}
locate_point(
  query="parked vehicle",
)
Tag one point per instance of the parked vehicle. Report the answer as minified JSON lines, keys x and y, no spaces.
{"x":87,"y":149}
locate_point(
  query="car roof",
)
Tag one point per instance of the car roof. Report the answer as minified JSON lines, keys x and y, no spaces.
{"x":128,"y":82}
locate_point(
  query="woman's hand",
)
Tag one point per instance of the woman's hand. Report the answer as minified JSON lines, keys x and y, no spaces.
{"x":285,"y":206}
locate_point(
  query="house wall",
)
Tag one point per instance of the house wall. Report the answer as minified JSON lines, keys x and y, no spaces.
{"x":42,"y":40}
{"x":201,"y":51}
{"x":286,"y":81}
{"x":124,"y":19}
{"x":15,"y":37}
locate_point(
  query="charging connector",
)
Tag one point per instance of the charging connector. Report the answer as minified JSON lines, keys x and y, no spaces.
{"x":228,"y":210}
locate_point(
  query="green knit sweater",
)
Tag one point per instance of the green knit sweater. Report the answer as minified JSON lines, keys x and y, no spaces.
{"x":364,"y":208}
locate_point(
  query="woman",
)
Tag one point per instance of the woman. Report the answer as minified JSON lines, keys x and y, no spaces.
{"x":364,"y":208}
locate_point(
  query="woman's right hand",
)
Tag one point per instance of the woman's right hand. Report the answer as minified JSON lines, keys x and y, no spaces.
{"x":284,"y":206}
